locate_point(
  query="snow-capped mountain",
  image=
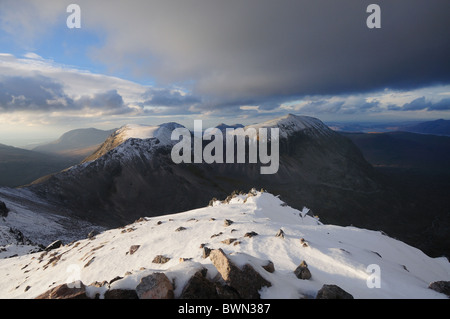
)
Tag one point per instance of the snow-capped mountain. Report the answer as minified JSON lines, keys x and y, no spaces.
{"x":291,"y":124}
{"x":252,"y":230}
{"x":160,"y":133}
{"x":132,"y":174}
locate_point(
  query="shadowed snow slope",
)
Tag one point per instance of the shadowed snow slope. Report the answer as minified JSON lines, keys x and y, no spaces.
{"x":334,"y":254}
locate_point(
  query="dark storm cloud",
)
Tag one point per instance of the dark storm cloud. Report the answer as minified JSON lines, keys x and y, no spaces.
{"x":442,"y":105}
{"x":253,"y":50}
{"x":32,"y":93}
{"x":41,"y":93}
{"x":168,"y":98}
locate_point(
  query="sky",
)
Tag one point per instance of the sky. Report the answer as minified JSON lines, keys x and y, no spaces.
{"x":234,"y":61}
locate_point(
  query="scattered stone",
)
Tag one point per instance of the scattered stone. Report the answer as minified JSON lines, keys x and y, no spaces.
{"x":333,"y":292}
{"x":250,"y":234}
{"x":236,"y":243}
{"x":441,"y":286}
{"x":160,"y":259}
{"x":199,"y":287}
{"x":228,"y":241}
{"x":140,"y":220}
{"x":92,"y":234}
{"x":133,"y":249}
{"x":233,"y":230}
{"x":159,"y":222}
{"x":227,"y":222}
{"x":89,"y":262}
{"x":121,"y":294}
{"x":302,"y":271}
{"x":181,"y":228}
{"x":280,"y":234}
{"x":302,"y":240}
{"x":75,"y":290}
{"x":305,"y":245}
{"x":202,"y":245}
{"x":216,"y":235}
{"x":247,"y":282}
{"x":155,"y":286}
{"x":56,"y":244}
{"x":212,"y":219}
{"x":269,"y":267}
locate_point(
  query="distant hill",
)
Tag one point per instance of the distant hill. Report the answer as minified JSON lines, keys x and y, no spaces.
{"x":19,"y":167}
{"x":438,"y":127}
{"x":78,"y":143}
{"x":405,"y":150}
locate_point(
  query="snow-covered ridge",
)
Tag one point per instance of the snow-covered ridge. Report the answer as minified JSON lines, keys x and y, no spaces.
{"x":289,"y":124}
{"x":335,"y":255}
{"x":138,"y":131}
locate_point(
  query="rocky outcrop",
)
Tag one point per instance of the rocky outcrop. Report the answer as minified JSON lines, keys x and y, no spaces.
{"x":3,"y":209}
{"x":199,"y":287}
{"x":155,"y":286}
{"x":246,"y":281}
{"x":65,"y":291}
{"x":441,"y":286}
{"x":332,"y":292}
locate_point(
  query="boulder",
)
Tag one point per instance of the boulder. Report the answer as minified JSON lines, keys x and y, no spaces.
{"x":441,"y":286}
{"x":160,"y":259}
{"x":302,"y":271}
{"x":72,"y":291}
{"x":155,"y":286}
{"x":199,"y":287}
{"x":332,"y":292}
{"x":246,"y":281}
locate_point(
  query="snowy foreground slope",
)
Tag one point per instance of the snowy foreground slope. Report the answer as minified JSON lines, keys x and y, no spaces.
{"x":335,"y":255}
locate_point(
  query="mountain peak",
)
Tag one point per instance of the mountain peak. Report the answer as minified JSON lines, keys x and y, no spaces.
{"x":290,"y":123}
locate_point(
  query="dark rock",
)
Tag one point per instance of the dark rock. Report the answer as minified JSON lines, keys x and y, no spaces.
{"x":121,"y":294}
{"x":206,"y":252}
{"x":226,"y":292}
{"x":64,"y":291}
{"x":227,"y":222}
{"x":181,"y":228}
{"x":199,"y":287}
{"x":269,"y":267}
{"x":155,"y":286}
{"x":302,"y":271}
{"x":332,"y":292}
{"x":92,"y":234}
{"x":133,"y":249}
{"x":441,"y":286}
{"x":250,"y":234}
{"x":247,"y":282}
{"x":3,"y":209}
{"x":56,"y":244}
{"x":280,"y":234}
